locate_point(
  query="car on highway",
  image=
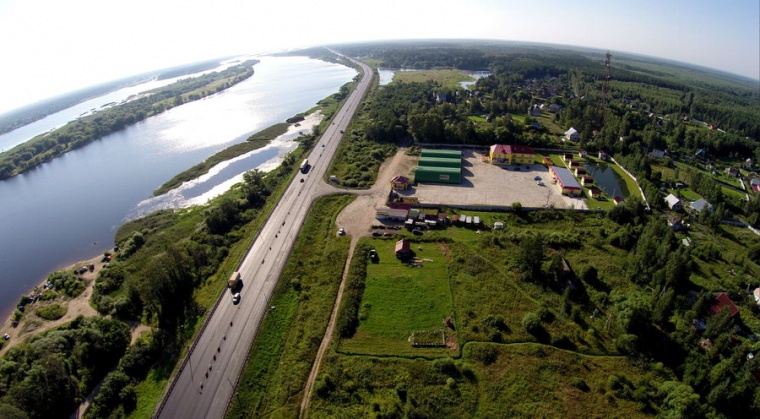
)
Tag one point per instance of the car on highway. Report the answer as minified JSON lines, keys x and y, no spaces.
{"x":323,"y":145}
{"x":537,"y":178}
{"x":236,"y":298}
{"x":301,"y":180}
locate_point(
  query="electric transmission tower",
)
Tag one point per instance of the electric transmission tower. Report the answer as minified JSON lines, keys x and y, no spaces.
{"x":602,"y":105}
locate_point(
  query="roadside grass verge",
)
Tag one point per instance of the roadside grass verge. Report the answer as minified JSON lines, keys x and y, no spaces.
{"x":287,"y":342}
{"x":399,"y":299}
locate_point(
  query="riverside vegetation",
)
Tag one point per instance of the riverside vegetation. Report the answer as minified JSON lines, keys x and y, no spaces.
{"x":171,"y":267}
{"x":621,"y":339}
{"x":85,"y":130}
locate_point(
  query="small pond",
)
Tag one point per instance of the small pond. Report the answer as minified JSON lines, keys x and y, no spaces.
{"x":607,"y":179}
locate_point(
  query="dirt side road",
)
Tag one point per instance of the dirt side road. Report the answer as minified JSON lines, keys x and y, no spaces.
{"x":357,"y":219}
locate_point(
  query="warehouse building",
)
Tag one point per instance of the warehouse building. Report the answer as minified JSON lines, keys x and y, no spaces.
{"x":439,"y":162}
{"x":566,"y":182}
{"x":439,"y":166}
{"x":438,"y":174}
{"x":446,"y":154}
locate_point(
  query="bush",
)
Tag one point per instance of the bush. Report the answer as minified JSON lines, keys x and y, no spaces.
{"x":531,"y":322}
{"x":51,"y":312}
{"x":485,"y":354}
{"x":578,"y":383}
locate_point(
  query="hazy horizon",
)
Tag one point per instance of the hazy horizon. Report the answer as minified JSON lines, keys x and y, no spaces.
{"x":52,"y":48}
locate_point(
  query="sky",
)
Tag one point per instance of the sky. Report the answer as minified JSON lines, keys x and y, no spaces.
{"x":50,"y":47}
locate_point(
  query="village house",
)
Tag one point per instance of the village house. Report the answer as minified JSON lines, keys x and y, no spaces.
{"x":755,"y":184}
{"x":722,"y":301}
{"x":674,"y":203}
{"x":732,"y":171}
{"x":603,"y":155}
{"x":580,"y":171}
{"x":658,"y":154}
{"x":676,"y":223}
{"x":701,"y":205}
{"x":572,"y":135}
{"x":582,"y":153}
{"x":535,"y":110}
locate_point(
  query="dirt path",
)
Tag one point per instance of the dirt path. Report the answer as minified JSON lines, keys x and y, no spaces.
{"x":357,"y":219}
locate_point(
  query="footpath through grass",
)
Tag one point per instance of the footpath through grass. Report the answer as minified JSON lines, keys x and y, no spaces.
{"x":289,"y":337}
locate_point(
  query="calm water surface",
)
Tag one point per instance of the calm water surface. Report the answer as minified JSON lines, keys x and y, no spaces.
{"x":68,"y":210}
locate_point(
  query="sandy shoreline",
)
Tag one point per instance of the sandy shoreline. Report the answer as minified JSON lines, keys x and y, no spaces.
{"x":30,"y":324}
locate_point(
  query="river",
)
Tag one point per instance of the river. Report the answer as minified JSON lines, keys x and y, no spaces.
{"x":68,"y":209}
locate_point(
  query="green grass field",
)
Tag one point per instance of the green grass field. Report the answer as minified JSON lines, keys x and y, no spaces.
{"x":399,"y":299}
{"x":448,"y":78}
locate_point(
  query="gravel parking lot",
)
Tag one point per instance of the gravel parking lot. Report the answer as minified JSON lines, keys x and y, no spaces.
{"x":486,"y":184}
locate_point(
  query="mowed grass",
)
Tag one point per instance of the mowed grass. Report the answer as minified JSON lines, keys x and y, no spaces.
{"x":399,"y":299}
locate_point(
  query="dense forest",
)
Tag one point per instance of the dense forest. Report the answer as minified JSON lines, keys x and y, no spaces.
{"x":90,"y":128}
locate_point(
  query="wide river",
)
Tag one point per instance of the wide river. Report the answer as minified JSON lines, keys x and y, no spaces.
{"x":68,"y":210}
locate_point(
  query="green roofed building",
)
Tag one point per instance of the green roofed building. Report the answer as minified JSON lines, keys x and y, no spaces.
{"x":439,"y":162}
{"x":438,"y":174}
{"x":446,"y":154}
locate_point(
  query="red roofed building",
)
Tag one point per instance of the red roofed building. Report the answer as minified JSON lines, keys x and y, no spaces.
{"x":722,"y":301}
{"x":403,"y":249}
{"x":502,"y":154}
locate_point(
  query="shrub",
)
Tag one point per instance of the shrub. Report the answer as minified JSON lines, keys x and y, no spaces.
{"x":531,"y":322}
{"x":578,"y":383}
{"x":485,"y":354}
{"x":51,"y":312}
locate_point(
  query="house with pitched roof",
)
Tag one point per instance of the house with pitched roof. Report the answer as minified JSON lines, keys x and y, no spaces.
{"x":501,"y":154}
{"x":722,"y":301}
{"x":701,"y":205}
{"x":572,"y":134}
{"x":674,"y":203}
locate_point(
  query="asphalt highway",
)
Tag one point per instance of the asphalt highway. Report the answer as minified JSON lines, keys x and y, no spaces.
{"x":205,"y":383}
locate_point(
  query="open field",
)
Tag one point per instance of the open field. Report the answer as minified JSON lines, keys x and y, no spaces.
{"x":400,"y":299}
{"x":448,"y":78}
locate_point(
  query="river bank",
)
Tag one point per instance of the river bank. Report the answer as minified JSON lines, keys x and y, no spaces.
{"x":53,"y":215}
{"x":30,"y":324}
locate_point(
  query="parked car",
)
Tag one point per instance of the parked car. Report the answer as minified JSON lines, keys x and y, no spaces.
{"x":417,"y":231}
{"x":341,"y":232}
{"x":377,"y":233}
